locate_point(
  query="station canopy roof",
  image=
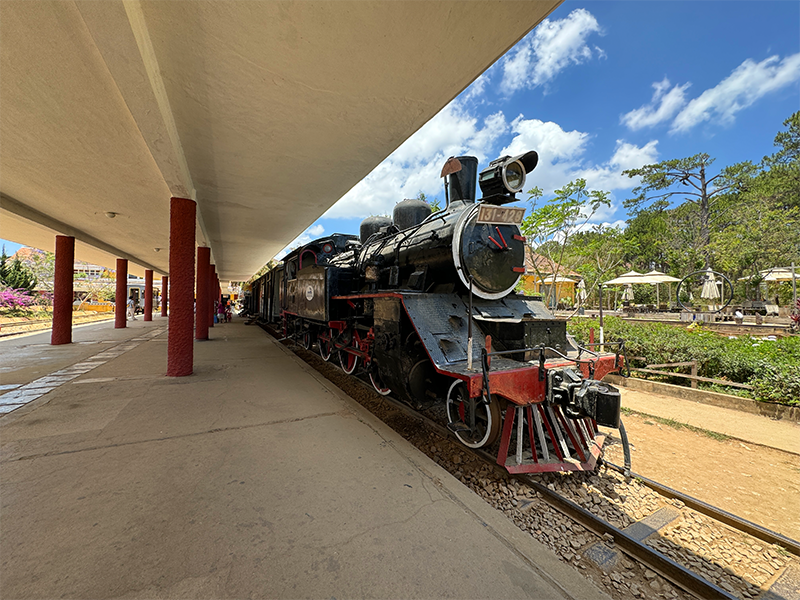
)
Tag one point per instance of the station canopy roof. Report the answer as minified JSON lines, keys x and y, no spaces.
{"x":265,"y":113}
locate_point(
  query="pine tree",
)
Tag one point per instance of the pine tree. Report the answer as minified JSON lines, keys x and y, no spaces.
{"x":16,"y":275}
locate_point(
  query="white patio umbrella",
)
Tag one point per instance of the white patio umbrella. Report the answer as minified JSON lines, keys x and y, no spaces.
{"x":582,"y":292}
{"x":629,"y":277}
{"x":710,"y":290}
{"x":557,"y":279}
{"x":778,"y":275}
{"x":628,"y":293}
{"x":657,"y":277}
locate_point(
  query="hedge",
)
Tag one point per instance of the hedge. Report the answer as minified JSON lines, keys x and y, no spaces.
{"x":771,"y":367}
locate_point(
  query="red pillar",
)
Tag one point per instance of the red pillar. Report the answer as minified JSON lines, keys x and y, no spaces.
{"x":62,"y":290}
{"x":180,"y":342}
{"x":201,"y":320}
{"x":211,"y":304}
{"x":164,"y":295}
{"x":121,"y":297}
{"x":148,"y":295}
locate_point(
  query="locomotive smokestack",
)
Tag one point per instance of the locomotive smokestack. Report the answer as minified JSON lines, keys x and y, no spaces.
{"x":462,"y":184}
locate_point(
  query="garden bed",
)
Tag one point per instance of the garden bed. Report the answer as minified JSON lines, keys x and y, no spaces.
{"x":772,"y":367}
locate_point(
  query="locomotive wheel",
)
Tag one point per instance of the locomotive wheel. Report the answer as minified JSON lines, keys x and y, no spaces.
{"x":488,"y":419}
{"x":306,"y":340}
{"x":348,"y":361}
{"x":324,"y":349}
{"x":378,"y":384}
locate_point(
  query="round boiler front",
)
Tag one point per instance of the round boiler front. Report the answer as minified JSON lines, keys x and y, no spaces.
{"x":489,"y":253}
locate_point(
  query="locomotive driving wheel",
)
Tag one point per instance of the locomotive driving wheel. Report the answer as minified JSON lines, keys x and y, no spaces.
{"x":348,"y":361}
{"x":378,"y":384}
{"x":324,"y":348}
{"x":460,"y":411}
{"x":305,"y":340}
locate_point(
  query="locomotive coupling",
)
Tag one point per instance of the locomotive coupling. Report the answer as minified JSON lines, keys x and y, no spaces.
{"x":581,"y":397}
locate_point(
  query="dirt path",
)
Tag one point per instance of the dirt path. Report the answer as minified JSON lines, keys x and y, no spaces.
{"x":757,"y":483}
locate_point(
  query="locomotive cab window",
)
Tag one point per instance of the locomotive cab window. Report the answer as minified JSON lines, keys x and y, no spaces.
{"x":308,"y":257}
{"x":291,"y":269}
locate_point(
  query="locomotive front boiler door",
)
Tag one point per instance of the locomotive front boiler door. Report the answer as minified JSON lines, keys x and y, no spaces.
{"x":492,"y":254}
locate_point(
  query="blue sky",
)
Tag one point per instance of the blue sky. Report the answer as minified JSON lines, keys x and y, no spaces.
{"x":604,"y":86}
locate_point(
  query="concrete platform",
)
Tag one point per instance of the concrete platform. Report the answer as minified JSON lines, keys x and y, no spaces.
{"x":254,"y":477}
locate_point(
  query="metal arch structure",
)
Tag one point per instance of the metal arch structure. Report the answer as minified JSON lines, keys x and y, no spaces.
{"x":704,"y":271}
{"x":264,"y":113}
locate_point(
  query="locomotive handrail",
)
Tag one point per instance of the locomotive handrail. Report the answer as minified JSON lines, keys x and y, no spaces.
{"x":538,"y":349}
{"x":430,"y":218}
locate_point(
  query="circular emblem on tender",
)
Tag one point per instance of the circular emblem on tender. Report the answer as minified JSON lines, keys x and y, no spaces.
{"x":309,"y":293}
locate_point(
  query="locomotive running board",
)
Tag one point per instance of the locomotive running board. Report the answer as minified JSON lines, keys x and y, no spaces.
{"x":548,"y":431}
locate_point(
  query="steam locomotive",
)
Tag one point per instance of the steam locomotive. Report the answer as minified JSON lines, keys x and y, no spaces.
{"x":423,"y":305}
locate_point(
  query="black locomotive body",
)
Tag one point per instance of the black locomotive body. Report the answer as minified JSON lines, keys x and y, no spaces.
{"x":424,"y":305}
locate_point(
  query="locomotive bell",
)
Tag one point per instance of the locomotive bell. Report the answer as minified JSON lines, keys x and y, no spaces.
{"x":505,"y":176}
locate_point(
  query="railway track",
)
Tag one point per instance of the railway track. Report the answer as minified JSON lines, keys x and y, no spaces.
{"x":679,"y":575}
{"x":16,"y":328}
{"x":660,"y":557}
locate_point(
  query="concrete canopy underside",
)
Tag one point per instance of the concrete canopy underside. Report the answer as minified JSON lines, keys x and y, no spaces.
{"x":265,"y":113}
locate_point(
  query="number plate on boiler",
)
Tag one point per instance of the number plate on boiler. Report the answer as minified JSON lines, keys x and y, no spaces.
{"x":502,"y":215}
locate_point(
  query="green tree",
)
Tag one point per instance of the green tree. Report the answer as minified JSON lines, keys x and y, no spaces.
{"x":599,"y":252}
{"x":42,"y":265}
{"x":689,"y":179}
{"x":15,"y":275}
{"x":551,"y":225}
{"x":434,"y":202}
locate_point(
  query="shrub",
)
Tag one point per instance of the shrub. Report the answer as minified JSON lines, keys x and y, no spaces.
{"x":15,"y":299}
{"x":771,"y":367}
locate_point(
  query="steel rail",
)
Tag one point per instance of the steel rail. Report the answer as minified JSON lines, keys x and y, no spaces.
{"x":753,"y":529}
{"x":682,"y":577}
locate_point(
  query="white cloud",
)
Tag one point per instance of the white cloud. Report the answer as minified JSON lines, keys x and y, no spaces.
{"x":549,"y":49}
{"x":561,"y":160}
{"x":749,"y":82}
{"x":309,"y":234}
{"x":561,"y":157}
{"x":665,"y":104}
{"x":415,"y":166}
{"x":608,"y":176}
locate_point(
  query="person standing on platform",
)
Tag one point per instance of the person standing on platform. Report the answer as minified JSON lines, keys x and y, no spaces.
{"x":221,"y":312}
{"x":131,"y":309}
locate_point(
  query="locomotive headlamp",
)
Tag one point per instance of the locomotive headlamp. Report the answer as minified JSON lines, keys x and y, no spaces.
{"x":505,"y":176}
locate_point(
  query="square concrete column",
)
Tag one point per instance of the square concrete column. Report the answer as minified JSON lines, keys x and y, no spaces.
{"x":180,"y":342}
{"x":63,"y":290}
{"x":201,"y":318}
{"x":164,"y":295}
{"x":148,"y":295}
{"x":121,"y":296}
